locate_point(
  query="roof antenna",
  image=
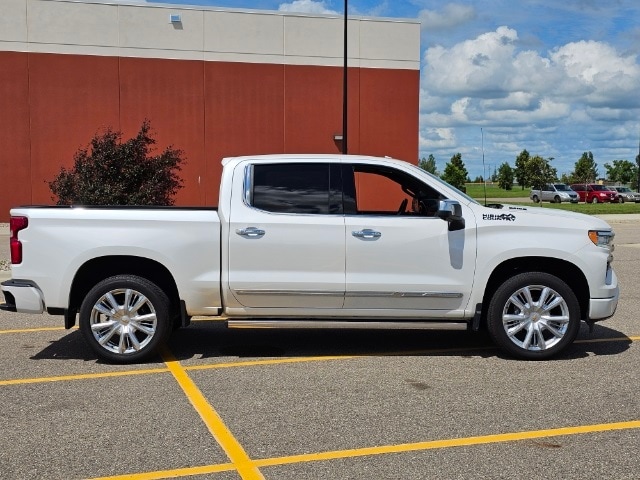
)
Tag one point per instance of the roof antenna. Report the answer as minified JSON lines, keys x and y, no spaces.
{"x":484,"y":173}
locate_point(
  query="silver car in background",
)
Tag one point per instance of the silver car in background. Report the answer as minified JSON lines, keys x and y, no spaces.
{"x":555,"y":193}
{"x":625,"y":194}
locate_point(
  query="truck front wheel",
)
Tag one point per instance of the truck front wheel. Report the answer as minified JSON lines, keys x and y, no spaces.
{"x":533,"y":316}
{"x":125,"y":318}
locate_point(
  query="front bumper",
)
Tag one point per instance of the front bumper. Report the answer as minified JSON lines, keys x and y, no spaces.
{"x":602,"y":308}
{"x":22,"y":296}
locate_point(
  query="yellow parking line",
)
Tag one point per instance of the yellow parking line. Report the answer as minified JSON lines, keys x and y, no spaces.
{"x":274,"y":361}
{"x":178,"y":472}
{"x":389,"y":449}
{"x":241,"y":461}
{"x":31,"y":330}
{"x":449,"y":443}
{"x":82,"y":376}
{"x":249,"y":363}
{"x":612,"y":339}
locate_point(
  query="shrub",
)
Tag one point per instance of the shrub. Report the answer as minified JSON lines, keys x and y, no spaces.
{"x":112,"y":172}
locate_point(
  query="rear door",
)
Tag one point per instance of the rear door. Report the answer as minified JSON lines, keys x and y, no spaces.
{"x":286,"y":237}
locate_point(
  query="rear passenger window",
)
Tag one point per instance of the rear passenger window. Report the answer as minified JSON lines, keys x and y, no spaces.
{"x":308,"y":188}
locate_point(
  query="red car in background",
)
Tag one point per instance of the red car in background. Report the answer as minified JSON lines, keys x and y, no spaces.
{"x":594,"y":193}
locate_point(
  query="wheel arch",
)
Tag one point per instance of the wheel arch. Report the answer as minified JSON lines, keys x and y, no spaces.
{"x":100,"y":268}
{"x":564,"y":270}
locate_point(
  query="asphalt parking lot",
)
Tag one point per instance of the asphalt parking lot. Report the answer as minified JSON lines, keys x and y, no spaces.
{"x":229,"y":404}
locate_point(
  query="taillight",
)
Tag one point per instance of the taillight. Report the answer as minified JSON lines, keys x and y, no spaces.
{"x":15,"y":225}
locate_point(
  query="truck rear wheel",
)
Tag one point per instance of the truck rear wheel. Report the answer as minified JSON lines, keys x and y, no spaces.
{"x":125,"y":318}
{"x":533,"y":316}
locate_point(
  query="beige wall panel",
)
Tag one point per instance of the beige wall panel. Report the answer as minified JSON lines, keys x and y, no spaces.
{"x":13,"y":21}
{"x":72,"y":23}
{"x":245,"y":33}
{"x":389,"y":40}
{"x":143,"y":27}
{"x":319,"y":37}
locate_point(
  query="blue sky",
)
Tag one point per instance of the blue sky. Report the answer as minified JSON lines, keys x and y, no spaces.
{"x":557,"y":78}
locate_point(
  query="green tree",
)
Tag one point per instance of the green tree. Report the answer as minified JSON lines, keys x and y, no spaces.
{"x":112,"y":172}
{"x":540,"y":171}
{"x":455,"y":173}
{"x":622,"y":171}
{"x":505,"y":176}
{"x":428,"y":164}
{"x":565,"y":178}
{"x":585,"y":169}
{"x":521,"y":170}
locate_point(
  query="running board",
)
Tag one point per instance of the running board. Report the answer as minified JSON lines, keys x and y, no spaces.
{"x":345,"y":324}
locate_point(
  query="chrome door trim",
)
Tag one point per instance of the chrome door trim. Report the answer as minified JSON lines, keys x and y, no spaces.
{"x":333,"y":293}
{"x":325,"y":293}
{"x":405,"y":294}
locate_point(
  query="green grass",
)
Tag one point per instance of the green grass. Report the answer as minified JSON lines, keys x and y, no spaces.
{"x":588,"y":208}
{"x":476,"y":190}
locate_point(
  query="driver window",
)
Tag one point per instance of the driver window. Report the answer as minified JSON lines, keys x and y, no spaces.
{"x":385,"y":191}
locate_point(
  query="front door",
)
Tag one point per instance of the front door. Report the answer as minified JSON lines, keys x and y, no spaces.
{"x":399,"y":255}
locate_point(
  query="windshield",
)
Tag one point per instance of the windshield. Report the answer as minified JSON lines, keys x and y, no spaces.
{"x":561,"y":187}
{"x":442,"y":182}
{"x":599,"y":188}
{"x":623,"y":189}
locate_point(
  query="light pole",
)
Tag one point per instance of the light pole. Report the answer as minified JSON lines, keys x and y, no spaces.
{"x":344,"y":85}
{"x":638,"y":163}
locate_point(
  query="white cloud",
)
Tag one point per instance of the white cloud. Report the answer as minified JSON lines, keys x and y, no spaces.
{"x":580,"y":96}
{"x":451,"y":16}
{"x":611,"y":78}
{"x":306,"y":6}
{"x":438,"y":138}
{"x":473,"y":66}
{"x":487,"y":76}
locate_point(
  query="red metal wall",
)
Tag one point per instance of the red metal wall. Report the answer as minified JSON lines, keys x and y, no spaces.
{"x":50,"y":105}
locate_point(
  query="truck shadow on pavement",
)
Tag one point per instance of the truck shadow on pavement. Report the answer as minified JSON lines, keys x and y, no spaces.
{"x":211,"y":339}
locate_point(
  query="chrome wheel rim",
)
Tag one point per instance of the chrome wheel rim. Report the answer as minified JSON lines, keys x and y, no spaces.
{"x":123,"y":321}
{"x":536,"y":318}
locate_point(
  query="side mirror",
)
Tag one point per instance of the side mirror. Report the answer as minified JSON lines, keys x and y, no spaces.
{"x":451,"y":211}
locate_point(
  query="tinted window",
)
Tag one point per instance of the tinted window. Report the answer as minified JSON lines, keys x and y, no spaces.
{"x":378,"y":190}
{"x":297,"y":188}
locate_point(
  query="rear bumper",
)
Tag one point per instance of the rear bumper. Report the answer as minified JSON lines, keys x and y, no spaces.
{"x":22,"y":296}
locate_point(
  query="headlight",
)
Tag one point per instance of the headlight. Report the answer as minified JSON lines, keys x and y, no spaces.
{"x":602,"y":238}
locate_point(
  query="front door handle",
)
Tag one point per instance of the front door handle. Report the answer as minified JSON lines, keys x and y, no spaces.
{"x":250,"y":232}
{"x":367,"y":234}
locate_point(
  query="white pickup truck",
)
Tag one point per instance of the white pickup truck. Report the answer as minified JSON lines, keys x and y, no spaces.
{"x":315,"y":241}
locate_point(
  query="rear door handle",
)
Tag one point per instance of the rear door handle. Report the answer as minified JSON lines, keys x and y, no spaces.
{"x":250,"y":232}
{"x":367,"y":234}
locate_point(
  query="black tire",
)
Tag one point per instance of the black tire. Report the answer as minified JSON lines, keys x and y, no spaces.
{"x":557,"y":199}
{"x":522,"y":327}
{"x":535,"y":199}
{"x":621,"y":199}
{"x":594,"y":200}
{"x":125,"y":335}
